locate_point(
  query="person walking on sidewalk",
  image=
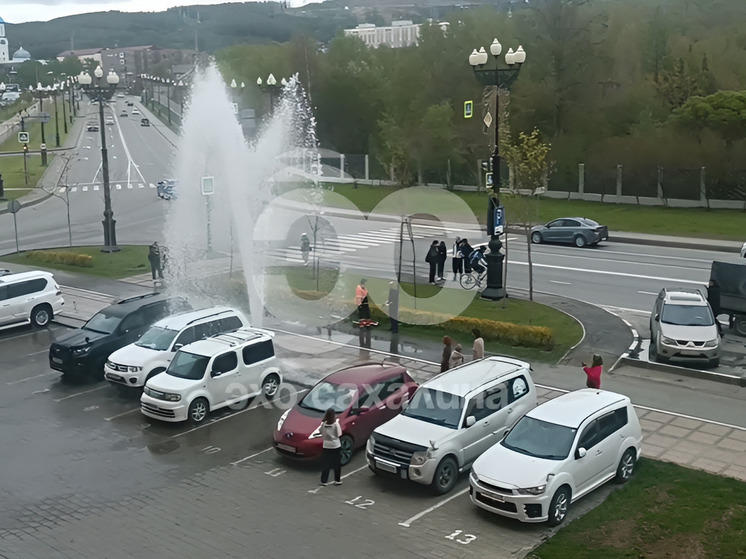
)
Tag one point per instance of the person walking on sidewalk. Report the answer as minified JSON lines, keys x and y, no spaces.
{"x":154,"y":257}
{"x":305,"y":247}
{"x":432,"y":259}
{"x":331,"y":431}
{"x":457,"y":261}
{"x":442,"y":257}
{"x":477,"y":350}
{"x":457,"y":358}
{"x":445,"y":361}
{"x":594,"y":372}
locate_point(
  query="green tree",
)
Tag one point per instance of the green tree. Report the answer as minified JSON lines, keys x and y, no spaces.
{"x":723,"y":112}
{"x":677,"y":85}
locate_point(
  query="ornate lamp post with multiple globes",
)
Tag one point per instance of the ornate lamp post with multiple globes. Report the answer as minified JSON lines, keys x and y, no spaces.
{"x":501,"y":78}
{"x":99,"y":92}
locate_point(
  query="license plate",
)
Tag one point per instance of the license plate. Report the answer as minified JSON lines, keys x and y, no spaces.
{"x":286,"y":448}
{"x":113,"y":377}
{"x":386,"y":467}
{"x":56,"y":360}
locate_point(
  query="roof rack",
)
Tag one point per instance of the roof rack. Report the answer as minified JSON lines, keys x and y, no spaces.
{"x":208,"y":316}
{"x":138,"y":297}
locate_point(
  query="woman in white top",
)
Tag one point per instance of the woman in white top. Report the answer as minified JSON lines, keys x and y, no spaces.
{"x":457,"y":261}
{"x":331,"y":431}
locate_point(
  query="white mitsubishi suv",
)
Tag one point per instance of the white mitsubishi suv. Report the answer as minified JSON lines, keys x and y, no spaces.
{"x":135,"y":363}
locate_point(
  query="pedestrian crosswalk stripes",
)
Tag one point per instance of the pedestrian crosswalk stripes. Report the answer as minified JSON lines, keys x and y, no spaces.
{"x":97,"y":187}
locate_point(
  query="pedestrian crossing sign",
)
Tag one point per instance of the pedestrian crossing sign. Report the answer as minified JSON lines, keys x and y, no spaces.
{"x":468,"y":109}
{"x":208,"y":186}
{"x":23,"y":137}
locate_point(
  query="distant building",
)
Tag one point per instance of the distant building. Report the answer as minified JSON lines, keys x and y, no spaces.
{"x":82,"y":55}
{"x":400,"y":34}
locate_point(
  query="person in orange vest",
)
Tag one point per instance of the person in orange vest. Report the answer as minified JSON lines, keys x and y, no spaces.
{"x":361,"y":300}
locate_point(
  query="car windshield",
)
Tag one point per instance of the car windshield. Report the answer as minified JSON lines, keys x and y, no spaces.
{"x":188,"y":365}
{"x":434,"y":406}
{"x":687,"y":315}
{"x":327,"y":395}
{"x":541,"y":439}
{"x":157,"y":338}
{"x":103,"y":323}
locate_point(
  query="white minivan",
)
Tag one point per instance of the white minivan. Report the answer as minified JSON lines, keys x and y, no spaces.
{"x":134,"y":364}
{"x":215,"y":373}
{"x":29,"y":297}
{"x":451,"y":420}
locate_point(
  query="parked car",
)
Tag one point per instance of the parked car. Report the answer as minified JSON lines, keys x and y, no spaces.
{"x":109,"y":121}
{"x":84,"y":351}
{"x":135,"y":111}
{"x":130,"y":103}
{"x":731,"y":277}
{"x":123,"y":114}
{"x":557,"y":453}
{"x":91,"y":126}
{"x":136,"y":363}
{"x":682,"y":327}
{"x":166,"y":189}
{"x":144,"y":122}
{"x":28,"y":298}
{"x":226,"y":370}
{"x":364,"y":396}
{"x":451,"y":420}
{"x":579,"y":231}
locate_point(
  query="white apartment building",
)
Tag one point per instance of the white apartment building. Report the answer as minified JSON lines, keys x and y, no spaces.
{"x":401,"y":34}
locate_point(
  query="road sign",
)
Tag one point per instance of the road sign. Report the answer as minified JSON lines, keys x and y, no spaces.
{"x":208,"y":186}
{"x":23,"y":138}
{"x":499,"y":220}
{"x":468,"y":109}
{"x":14,"y":206}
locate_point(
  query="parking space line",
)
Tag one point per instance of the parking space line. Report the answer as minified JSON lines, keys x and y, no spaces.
{"x":80,"y":393}
{"x":121,"y":414}
{"x":255,"y":406}
{"x":237,"y":462}
{"x":408,"y":522}
{"x":30,"y":378}
{"x":341,"y":478}
{"x":37,"y":352}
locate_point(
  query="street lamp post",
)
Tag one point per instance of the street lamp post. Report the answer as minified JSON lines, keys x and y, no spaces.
{"x":64,"y":107}
{"x":501,"y":78}
{"x":54,"y":91}
{"x":40,"y":91}
{"x":271,"y":87}
{"x":101,"y":93}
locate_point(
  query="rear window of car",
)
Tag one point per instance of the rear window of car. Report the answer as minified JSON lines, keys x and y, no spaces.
{"x":589,"y":222}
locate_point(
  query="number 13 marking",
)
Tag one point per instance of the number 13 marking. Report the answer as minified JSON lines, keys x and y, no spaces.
{"x":465,"y":539}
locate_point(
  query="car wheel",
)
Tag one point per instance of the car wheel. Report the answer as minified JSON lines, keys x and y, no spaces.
{"x":446,"y":476}
{"x":626,"y":466}
{"x":198,"y":410}
{"x":270,"y":386}
{"x":579,"y":241}
{"x":41,"y":315}
{"x":348,"y":448}
{"x":536,"y":237}
{"x":740,"y":325}
{"x":559,"y":506}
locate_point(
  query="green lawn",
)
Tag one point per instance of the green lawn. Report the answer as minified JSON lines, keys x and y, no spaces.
{"x":664,"y":511}
{"x":130,"y":261}
{"x":687,"y":222}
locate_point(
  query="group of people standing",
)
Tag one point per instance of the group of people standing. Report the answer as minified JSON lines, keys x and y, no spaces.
{"x":452,"y":351}
{"x":461,"y":258}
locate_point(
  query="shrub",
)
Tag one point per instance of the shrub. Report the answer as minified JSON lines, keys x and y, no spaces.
{"x":69,"y":258}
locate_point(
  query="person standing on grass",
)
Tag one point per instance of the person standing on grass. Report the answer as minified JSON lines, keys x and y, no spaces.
{"x":594,"y":372}
{"x":445,"y":361}
{"x":477,"y":350}
{"x":331,"y":431}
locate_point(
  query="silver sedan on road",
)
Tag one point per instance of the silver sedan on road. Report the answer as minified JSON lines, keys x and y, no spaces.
{"x":579,"y":231}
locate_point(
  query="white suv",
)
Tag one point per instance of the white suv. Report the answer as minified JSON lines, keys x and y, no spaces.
{"x":135,"y":363}
{"x":556,"y":454}
{"x":29,"y":297}
{"x":451,"y":420}
{"x":206,"y":375}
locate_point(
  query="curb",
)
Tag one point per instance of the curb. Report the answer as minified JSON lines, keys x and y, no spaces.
{"x":683,"y":371}
{"x":28,"y":203}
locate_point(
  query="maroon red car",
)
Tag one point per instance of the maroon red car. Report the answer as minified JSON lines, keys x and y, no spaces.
{"x":364,"y":397}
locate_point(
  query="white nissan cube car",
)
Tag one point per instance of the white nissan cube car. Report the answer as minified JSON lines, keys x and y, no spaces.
{"x":210,"y":374}
{"x":557,"y":453}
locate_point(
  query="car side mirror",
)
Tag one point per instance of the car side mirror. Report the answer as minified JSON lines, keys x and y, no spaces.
{"x":177,"y":347}
{"x":214,"y":374}
{"x":580,"y":453}
{"x":657,"y":317}
{"x":471,"y":420}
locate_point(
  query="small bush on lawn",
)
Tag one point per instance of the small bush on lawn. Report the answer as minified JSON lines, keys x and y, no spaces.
{"x":69,"y":258}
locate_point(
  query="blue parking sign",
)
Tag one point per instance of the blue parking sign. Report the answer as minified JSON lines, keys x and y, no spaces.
{"x":499,"y":220}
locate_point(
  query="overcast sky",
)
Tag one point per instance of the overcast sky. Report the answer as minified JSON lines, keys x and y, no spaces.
{"x":20,"y":11}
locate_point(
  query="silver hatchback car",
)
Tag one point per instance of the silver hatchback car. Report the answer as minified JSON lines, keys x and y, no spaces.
{"x":682,"y":327}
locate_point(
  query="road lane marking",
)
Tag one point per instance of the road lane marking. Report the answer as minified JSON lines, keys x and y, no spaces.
{"x":560,"y":282}
{"x":607,"y":273}
{"x":647,"y":293}
{"x":37,"y":352}
{"x":80,"y":393}
{"x":121,"y":414}
{"x":408,"y":522}
{"x":237,"y":462}
{"x":315,"y":491}
{"x":30,"y":378}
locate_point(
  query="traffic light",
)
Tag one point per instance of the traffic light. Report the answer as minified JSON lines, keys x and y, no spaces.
{"x":25,"y":149}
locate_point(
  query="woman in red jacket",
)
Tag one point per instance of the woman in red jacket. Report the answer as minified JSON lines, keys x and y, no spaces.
{"x":594,"y":372}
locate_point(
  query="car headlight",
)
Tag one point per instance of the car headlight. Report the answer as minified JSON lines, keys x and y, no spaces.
{"x":420,"y":457}
{"x":146,"y":390}
{"x":282,"y":419}
{"x":538,"y":490}
{"x":132,"y":369}
{"x":78,"y":351}
{"x":667,"y":340}
{"x":473,"y":476}
{"x":711,"y":343}
{"x":172,"y":397}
